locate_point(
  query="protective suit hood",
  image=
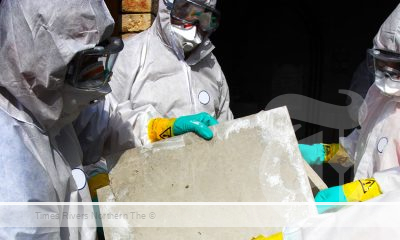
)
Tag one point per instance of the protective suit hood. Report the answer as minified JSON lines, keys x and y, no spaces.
{"x":388,"y":36}
{"x":162,"y":26}
{"x":37,"y":41}
{"x":388,"y":39}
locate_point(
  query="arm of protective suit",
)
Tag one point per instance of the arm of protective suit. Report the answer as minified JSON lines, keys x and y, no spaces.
{"x":91,"y":128}
{"x":129,"y":123}
{"x":389,"y":180}
{"x":126,"y":68}
{"x":102,"y":131}
{"x":224,"y":112}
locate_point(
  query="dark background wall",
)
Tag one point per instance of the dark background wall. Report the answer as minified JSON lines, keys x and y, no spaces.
{"x":307,"y":47}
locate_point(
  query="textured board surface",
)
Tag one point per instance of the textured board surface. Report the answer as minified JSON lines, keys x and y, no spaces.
{"x":250,"y":159}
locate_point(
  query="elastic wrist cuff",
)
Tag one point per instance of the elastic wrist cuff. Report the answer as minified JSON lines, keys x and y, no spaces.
{"x":330,"y":150}
{"x":160,"y":128}
{"x":361,"y":190}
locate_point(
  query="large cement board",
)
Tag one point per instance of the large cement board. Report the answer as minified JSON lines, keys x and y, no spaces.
{"x":250,"y":159}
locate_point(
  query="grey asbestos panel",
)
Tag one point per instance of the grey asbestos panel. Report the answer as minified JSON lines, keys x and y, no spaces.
{"x":250,"y":159}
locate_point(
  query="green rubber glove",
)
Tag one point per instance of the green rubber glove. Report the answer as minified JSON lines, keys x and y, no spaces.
{"x":313,"y":154}
{"x":332,"y":194}
{"x":197,"y":123}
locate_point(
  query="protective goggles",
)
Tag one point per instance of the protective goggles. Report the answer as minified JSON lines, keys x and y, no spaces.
{"x":187,"y":13}
{"x":384,"y":63}
{"x":91,"y":69}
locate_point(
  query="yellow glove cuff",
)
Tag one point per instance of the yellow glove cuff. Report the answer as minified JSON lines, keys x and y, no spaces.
{"x":361,"y":190}
{"x":97,"y":181}
{"x":276,"y":236}
{"x":330,"y":150}
{"x":160,"y":128}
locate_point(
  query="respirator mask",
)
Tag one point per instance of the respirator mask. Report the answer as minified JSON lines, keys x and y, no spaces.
{"x":192,"y":21}
{"x":385,"y":65}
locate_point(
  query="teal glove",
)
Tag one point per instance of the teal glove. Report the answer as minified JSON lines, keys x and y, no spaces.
{"x":197,"y":123}
{"x":332,"y":194}
{"x":313,"y":154}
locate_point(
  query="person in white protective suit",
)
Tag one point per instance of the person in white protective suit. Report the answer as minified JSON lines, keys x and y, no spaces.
{"x":166,"y":81}
{"x":56,"y":59}
{"x":375,"y":152}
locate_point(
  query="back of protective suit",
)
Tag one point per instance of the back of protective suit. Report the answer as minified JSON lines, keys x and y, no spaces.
{"x":41,"y":157}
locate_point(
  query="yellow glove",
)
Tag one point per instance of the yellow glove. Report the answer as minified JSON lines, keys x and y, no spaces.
{"x":361,"y":190}
{"x":160,"y":128}
{"x":357,"y":191}
{"x":330,"y":150}
{"x":320,"y":153}
{"x":276,"y":236}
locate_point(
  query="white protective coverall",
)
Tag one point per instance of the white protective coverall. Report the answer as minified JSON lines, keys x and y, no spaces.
{"x":41,"y":157}
{"x":375,"y":147}
{"x":375,"y":151}
{"x":152,"y":79}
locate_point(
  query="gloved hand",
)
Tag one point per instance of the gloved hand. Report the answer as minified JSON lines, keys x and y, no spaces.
{"x":357,"y":191}
{"x":161,"y":128}
{"x":276,"y":236}
{"x":319,"y":153}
